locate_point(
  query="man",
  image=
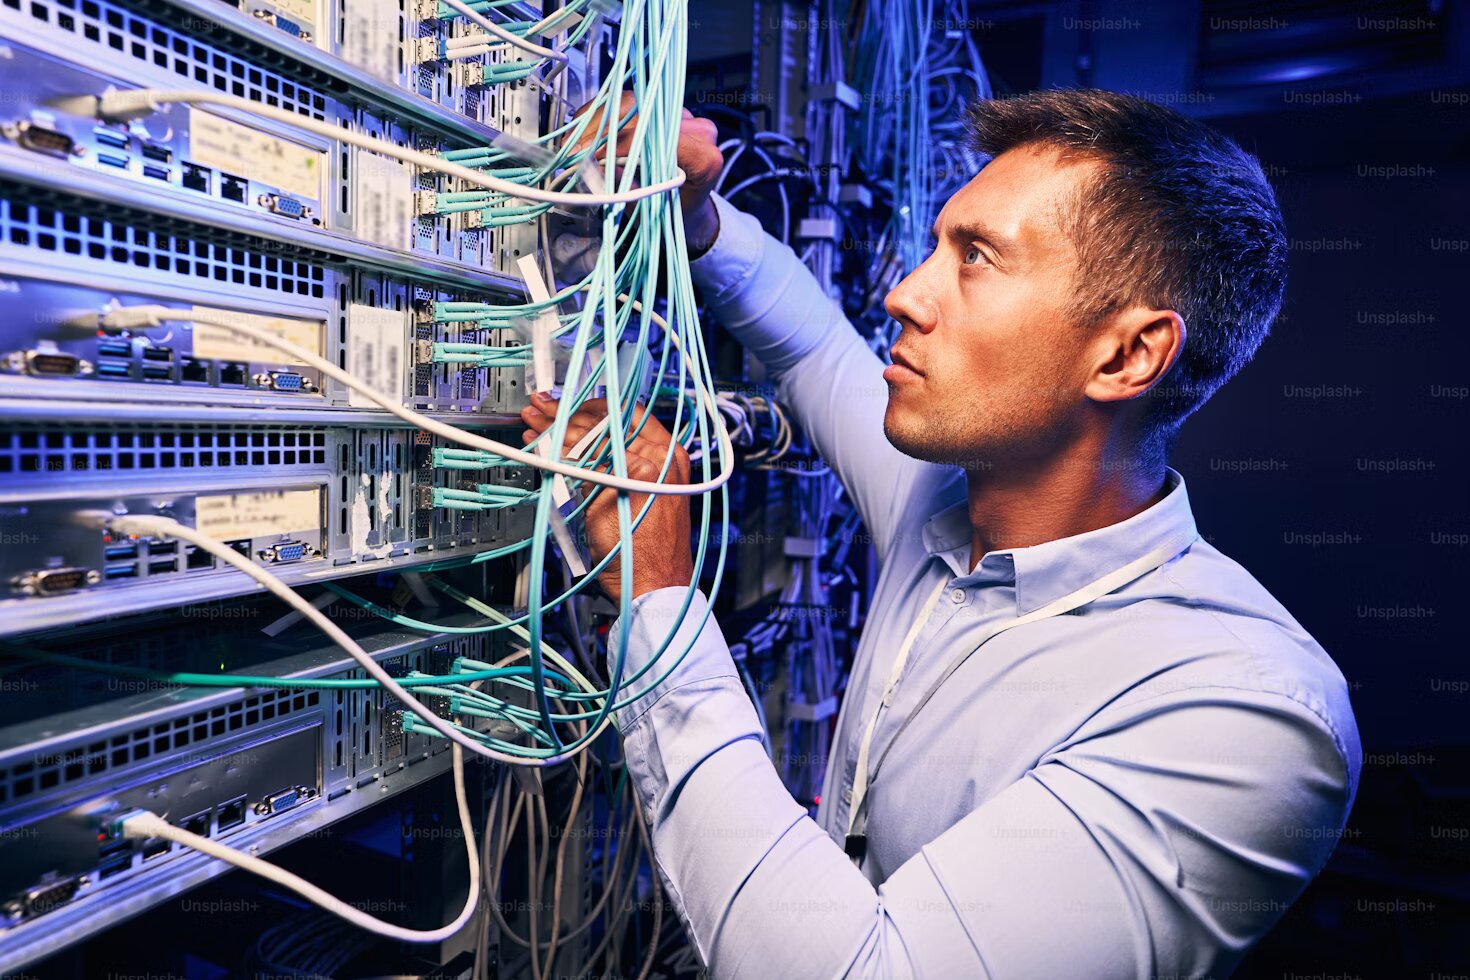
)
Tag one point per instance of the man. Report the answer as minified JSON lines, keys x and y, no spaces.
{"x":1078,"y":740}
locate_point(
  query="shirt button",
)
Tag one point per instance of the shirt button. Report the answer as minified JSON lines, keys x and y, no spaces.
{"x":847,"y":796}
{"x":957,"y":595}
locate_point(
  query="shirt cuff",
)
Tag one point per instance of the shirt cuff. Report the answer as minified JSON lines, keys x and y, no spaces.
{"x":735,"y":253}
{"x":651,"y":617}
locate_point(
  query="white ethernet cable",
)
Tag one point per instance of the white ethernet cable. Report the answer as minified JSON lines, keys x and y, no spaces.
{"x":505,"y":35}
{"x":145,"y":525}
{"x":134,"y":317}
{"x":117,"y":105}
{"x":145,"y":824}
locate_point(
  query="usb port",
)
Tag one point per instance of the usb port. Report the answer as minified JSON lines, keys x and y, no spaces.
{"x":114,"y":348}
{"x":114,"y":866}
{"x":157,"y":372}
{"x":108,"y":137}
{"x":158,"y":353}
{"x":160,"y":153}
{"x":115,"y":848}
{"x":121,"y":572}
{"x":157,"y":173}
{"x":154,"y":847}
{"x":113,"y":160}
{"x":120,"y":552}
{"x":162,"y":566}
{"x":109,"y":370}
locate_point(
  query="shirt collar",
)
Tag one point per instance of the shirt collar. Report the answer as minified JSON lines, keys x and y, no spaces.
{"x":1045,"y":572}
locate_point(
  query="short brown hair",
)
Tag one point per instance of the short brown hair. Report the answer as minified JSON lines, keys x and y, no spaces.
{"x":1178,"y":217}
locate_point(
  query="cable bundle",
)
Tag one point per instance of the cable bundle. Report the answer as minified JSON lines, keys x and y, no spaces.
{"x":533,"y":708}
{"x":904,"y":62}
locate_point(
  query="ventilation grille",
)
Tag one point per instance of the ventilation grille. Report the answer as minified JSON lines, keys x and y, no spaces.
{"x":86,"y":762}
{"x":111,"y":27}
{"x":108,"y":237}
{"x":48,"y":448}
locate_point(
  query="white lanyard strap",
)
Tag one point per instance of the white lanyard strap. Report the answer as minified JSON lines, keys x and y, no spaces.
{"x":860,"y":778}
{"x":863,"y":779}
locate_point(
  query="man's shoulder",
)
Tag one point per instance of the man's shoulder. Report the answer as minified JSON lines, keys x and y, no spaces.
{"x":1224,"y":631}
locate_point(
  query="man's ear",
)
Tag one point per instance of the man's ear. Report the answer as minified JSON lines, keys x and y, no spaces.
{"x":1134,"y":350}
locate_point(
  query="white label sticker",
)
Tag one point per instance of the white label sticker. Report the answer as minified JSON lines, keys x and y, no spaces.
{"x":245,"y":152}
{"x":221,"y":343}
{"x":371,"y":38}
{"x":384,"y":212}
{"x":230,"y":516}
{"x":375,"y":353}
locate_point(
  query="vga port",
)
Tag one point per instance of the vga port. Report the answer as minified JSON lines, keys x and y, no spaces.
{"x":54,"y":581}
{"x":286,"y":206}
{"x":289,"y":26}
{"x":284,"y":799}
{"x":283,"y":381}
{"x":285,"y":551}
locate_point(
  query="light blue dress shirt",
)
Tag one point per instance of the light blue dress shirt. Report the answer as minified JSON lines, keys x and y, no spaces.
{"x":1136,"y":788}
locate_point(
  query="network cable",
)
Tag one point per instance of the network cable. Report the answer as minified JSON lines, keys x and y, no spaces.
{"x":135,"y":317}
{"x":128,"y":105}
{"x":143,"y":825}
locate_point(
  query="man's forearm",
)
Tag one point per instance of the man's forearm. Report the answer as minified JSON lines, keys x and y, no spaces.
{"x":758,"y":288}
{"x":733,"y":845}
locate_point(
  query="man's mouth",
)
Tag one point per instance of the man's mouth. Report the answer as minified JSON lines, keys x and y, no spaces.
{"x":902,"y":369}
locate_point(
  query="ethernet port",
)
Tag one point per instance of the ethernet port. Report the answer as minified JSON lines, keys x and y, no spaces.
{"x":232,"y":374}
{"x":155,"y":847}
{"x":196,"y":558}
{"x":233,"y":188}
{"x":194,"y":371}
{"x":242,"y":546}
{"x":196,"y":178}
{"x":231,"y":814}
{"x":197,"y":824}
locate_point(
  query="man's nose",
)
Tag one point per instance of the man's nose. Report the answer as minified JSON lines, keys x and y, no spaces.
{"x":911,"y":302}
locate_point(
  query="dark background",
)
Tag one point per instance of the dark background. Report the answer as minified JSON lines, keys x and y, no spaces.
{"x":1333,"y":467}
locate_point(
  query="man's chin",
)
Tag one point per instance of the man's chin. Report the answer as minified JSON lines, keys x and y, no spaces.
{"x":907,"y":437}
{"x":920,"y":440}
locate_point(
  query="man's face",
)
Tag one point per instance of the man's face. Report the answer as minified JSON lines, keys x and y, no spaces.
{"x":995,"y":366}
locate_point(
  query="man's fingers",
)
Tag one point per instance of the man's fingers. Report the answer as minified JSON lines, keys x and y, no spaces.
{"x":599,"y":123}
{"x":652,"y":442}
{"x":700,"y":127}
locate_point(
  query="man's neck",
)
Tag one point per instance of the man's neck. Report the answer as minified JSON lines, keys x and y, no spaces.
{"x":1064,"y":495}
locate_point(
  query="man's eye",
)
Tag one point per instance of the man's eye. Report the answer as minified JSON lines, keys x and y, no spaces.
{"x":973,"y":255}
